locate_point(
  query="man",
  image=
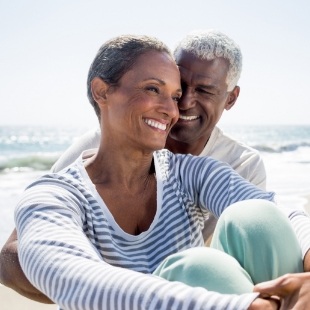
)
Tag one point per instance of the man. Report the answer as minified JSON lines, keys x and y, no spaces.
{"x":210,"y":65}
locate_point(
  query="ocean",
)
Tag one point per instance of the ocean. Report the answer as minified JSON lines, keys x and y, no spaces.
{"x":26,"y":152}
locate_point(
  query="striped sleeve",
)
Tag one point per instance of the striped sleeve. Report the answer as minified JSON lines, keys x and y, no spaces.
{"x":301,"y":224}
{"x":217,"y":184}
{"x":59,"y":259}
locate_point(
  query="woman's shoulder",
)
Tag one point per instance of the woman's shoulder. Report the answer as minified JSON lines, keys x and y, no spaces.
{"x":169,"y":162}
{"x":68,"y":178}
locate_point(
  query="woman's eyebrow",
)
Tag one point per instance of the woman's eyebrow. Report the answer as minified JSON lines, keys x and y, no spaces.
{"x":160,"y":81}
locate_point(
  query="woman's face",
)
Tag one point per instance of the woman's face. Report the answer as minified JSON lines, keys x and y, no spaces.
{"x":143,"y":107}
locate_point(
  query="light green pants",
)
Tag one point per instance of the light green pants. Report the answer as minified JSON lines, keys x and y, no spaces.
{"x":252,"y":242}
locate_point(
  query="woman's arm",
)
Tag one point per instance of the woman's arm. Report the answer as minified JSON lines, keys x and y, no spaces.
{"x":220,"y":186}
{"x":301,"y":225}
{"x":11,"y":274}
{"x":60,"y":260}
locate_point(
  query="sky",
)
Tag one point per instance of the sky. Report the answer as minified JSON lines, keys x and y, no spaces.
{"x":47,"y":47}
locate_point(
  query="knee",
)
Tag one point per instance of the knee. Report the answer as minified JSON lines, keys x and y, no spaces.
{"x":252,"y":232}
{"x":192,"y":263}
{"x":250,"y":206}
{"x":207,"y":268}
{"x":253,"y":215}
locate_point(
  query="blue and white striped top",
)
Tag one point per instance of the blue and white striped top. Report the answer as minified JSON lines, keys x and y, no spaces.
{"x":71,"y":248}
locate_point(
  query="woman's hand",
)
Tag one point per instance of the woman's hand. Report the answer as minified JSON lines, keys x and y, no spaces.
{"x":292,"y":289}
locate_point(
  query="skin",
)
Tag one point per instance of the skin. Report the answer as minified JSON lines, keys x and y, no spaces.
{"x":146,"y":101}
{"x":10,"y":271}
{"x":205,"y":97}
{"x":293,"y":289}
{"x":150,"y":97}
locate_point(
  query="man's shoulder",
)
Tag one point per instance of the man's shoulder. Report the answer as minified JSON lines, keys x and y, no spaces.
{"x":246,"y":160}
{"x":221,"y":143}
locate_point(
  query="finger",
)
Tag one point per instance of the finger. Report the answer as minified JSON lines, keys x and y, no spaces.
{"x":270,"y":288}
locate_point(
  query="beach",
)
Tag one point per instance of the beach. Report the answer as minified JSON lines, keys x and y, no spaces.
{"x":307,"y":205}
{"x":27,"y":154}
{"x":10,"y":300}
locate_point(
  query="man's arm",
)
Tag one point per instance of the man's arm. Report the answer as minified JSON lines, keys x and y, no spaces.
{"x":293,"y":289}
{"x":11,"y":274}
{"x":307,"y":262}
{"x":90,"y":140}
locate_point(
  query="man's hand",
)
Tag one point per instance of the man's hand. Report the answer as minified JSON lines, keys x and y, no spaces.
{"x":307,"y":262}
{"x":293,"y":290}
{"x":265,"y":304}
{"x":11,"y":274}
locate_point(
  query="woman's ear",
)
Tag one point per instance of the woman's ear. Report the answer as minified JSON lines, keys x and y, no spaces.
{"x":232,"y":98}
{"x":99,"y":89}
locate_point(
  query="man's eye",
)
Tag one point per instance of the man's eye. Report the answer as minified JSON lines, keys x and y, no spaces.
{"x":201,"y":90}
{"x":205,"y":92}
{"x":183,"y":86}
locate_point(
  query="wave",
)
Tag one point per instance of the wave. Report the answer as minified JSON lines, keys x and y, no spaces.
{"x":289,"y":147}
{"x":45,"y":160}
{"x":28,"y":162}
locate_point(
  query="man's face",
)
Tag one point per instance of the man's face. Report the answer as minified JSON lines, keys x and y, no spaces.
{"x":204,"y":98}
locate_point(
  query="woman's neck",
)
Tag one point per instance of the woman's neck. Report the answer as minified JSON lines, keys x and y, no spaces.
{"x":118,"y":167}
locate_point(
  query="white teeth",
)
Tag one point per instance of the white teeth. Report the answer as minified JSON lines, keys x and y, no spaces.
{"x":188,"y":118}
{"x":155,"y":124}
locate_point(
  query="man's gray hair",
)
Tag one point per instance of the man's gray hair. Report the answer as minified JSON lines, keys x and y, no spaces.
{"x":211,"y":44}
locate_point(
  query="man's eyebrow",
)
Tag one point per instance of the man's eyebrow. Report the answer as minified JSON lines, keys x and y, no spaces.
{"x":207,"y":86}
{"x":200,"y":80}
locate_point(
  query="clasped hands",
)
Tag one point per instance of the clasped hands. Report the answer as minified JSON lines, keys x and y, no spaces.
{"x":291,"y":291}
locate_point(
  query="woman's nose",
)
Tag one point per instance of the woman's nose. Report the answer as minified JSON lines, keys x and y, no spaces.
{"x":169,"y":107}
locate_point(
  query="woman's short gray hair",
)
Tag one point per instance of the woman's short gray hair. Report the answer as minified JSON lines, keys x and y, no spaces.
{"x":116,"y":56}
{"x":211,"y":44}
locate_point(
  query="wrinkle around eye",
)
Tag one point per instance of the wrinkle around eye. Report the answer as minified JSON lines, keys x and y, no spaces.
{"x":203,"y":91}
{"x":152,"y":89}
{"x":176,"y":99}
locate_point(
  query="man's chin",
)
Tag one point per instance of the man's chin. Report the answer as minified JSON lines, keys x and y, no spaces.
{"x":181,"y":136}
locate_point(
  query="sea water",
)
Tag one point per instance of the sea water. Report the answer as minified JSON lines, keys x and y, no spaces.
{"x":26,"y":152}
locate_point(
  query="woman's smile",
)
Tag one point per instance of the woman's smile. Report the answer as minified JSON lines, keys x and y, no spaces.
{"x":155,"y":124}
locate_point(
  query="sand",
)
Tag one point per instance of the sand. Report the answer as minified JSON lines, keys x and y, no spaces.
{"x":10,"y":300}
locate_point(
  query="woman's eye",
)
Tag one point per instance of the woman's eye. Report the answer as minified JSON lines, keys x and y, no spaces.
{"x":153,"y":89}
{"x":176,"y":99}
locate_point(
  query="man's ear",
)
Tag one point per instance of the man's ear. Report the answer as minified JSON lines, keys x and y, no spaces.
{"x":99,"y":89}
{"x":232,"y":98}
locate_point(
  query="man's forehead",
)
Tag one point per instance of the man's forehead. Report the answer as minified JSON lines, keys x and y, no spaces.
{"x":206,"y":79}
{"x":189,"y":73}
{"x":202,"y":69}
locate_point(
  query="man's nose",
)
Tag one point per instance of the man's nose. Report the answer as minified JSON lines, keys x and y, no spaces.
{"x":187,"y":100}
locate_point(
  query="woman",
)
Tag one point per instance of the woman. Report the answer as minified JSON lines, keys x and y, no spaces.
{"x":110,"y":230}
